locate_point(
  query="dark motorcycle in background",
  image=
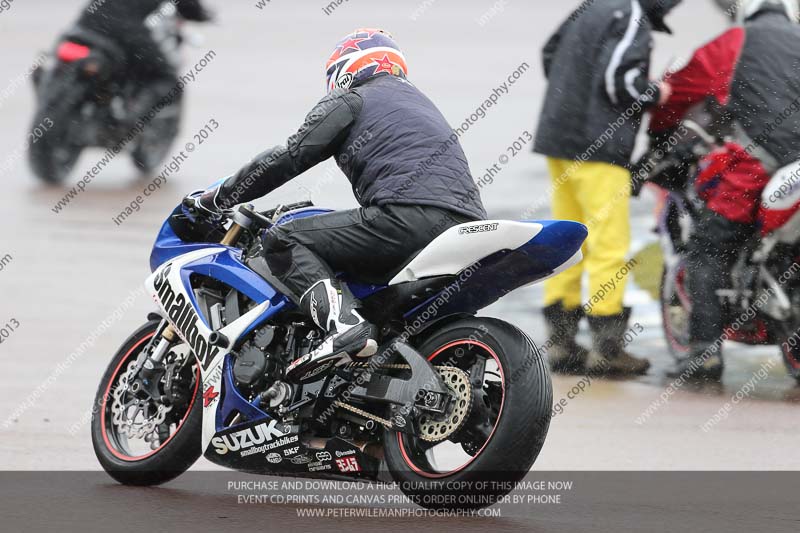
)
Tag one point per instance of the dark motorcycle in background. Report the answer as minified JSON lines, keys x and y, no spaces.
{"x":84,"y":99}
{"x":762,"y":301}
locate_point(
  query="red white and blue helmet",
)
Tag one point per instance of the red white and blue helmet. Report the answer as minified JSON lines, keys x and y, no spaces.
{"x":364,"y":53}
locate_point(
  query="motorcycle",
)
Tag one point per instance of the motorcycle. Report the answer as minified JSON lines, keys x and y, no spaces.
{"x":84,"y":100}
{"x":223,"y":368}
{"x":762,"y":300}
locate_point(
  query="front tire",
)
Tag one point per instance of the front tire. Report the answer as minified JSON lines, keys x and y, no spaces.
{"x":676,"y":311}
{"x":60,"y":94}
{"x":516,"y":420}
{"x":790,"y":350}
{"x":177,"y":449}
{"x":154,"y":144}
{"x":53,"y":156}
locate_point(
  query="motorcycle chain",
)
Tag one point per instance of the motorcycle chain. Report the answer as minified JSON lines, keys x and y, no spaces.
{"x":431,"y":430}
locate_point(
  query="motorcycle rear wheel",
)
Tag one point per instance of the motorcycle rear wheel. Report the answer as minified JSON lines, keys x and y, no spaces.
{"x":173,"y":454}
{"x":499,"y":442}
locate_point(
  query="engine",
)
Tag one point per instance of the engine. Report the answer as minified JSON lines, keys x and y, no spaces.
{"x":257,"y":365}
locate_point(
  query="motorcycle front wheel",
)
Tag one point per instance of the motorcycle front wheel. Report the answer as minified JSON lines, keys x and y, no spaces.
{"x":138,"y":439}
{"x":790,"y":350}
{"x":53,"y":155}
{"x":153,"y":145}
{"x":676,"y":307}
{"x":497,"y":424}
{"x":54,"y":147}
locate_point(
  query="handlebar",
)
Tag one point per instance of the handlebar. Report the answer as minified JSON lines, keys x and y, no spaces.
{"x":246,"y":217}
{"x":241,"y":218}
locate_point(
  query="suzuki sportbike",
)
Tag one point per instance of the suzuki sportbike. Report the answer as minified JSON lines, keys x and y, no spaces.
{"x":222,"y":368}
{"x":84,"y":99}
{"x":762,"y":299}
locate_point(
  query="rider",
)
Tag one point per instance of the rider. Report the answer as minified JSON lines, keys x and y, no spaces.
{"x":747,"y":80}
{"x":408,"y":172}
{"x":123,"y":22}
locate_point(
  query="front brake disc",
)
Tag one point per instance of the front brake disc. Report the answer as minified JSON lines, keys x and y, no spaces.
{"x":126,"y":409}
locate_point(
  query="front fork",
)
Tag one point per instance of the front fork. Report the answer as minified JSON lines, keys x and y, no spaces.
{"x":149,"y":366}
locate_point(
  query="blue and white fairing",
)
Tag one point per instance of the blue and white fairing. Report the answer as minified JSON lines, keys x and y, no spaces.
{"x":487,"y":259}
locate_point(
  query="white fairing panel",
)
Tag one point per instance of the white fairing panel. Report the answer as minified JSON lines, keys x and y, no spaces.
{"x":211,"y":358}
{"x":462,"y":246}
{"x":783,"y":190}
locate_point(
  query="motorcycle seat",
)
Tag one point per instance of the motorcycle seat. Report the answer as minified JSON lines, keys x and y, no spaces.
{"x":464,"y":245}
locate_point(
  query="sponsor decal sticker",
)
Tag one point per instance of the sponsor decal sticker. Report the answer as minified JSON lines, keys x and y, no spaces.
{"x":323,"y":456}
{"x":342,"y":454}
{"x":347,"y":465}
{"x":318,"y":466}
{"x":479,"y":228}
{"x":300,"y":459}
{"x":243,"y":441}
{"x":181,"y":313}
{"x":209,"y":396}
{"x":274,"y":458}
{"x":288,"y":452}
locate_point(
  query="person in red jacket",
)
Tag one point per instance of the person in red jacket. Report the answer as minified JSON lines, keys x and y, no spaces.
{"x":747,"y":80}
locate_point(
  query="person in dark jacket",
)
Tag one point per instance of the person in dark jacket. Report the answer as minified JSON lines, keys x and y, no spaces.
{"x":123,"y":22}
{"x":597,"y":65}
{"x":407,"y":170}
{"x":747,"y":80}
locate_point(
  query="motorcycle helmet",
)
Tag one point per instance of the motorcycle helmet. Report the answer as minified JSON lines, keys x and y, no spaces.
{"x":363,"y":54}
{"x":741,"y":10}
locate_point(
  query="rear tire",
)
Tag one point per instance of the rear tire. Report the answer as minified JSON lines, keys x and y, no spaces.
{"x":174,"y":456}
{"x":520,"y":425}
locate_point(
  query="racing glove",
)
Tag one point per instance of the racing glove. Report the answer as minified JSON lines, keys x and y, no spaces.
{"x":204,"y":203}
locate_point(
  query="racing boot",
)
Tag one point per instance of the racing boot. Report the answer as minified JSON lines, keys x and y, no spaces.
{"x":565,"y":355}
{"x":704,"y":363}
{"x":348,"y":335}
{"x":608,"y":355}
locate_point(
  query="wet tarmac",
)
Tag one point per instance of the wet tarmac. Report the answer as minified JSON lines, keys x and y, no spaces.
{"x":63,"y":274}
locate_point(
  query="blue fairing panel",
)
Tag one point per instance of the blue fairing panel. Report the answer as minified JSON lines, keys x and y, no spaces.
{"x":558,"y":241}
{"x":232,"y":401}
{"x":168,"y":246}
{"x":227,"y":267}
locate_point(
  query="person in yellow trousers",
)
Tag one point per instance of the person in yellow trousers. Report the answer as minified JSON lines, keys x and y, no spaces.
{"x":597,"y":65}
